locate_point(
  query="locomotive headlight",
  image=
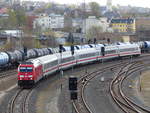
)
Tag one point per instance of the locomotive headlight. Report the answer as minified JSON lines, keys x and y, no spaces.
{"x":21,"y":75}
{"x":30,"y":75}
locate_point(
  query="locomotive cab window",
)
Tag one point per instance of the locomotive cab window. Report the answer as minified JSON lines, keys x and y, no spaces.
{"x":29,"y":69}
{"x":22,"y":69}
{"x":26,"y":69}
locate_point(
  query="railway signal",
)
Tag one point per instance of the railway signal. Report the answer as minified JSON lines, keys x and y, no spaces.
{"x":89,"y":41}
{"x":73,"y":95}
{"x":73,"y":87}
{"x":73,"y":83}
{"x":60,"y":48}
{"x":108,"y":40}
{"x":103,"y":51}
{"x":72,"y":49}
{"x":94,"y":40}
{"x":25,"y":51}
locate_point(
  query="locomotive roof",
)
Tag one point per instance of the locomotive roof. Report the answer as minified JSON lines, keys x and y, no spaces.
{"x":27,"y":62}
{"x":34,"y":62}
{"x":47,"y":58}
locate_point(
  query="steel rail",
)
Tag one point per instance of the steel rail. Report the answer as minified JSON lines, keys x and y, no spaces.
{"x":125,"y":98}
{"x":8,"y":73}
{"x":88,"y":77}
{"x":23,"y":105}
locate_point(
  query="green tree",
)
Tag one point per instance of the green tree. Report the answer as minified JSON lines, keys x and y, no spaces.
{"x":95,"y":9}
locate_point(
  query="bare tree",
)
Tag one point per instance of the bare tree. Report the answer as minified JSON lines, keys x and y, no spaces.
{"x":94,"y":32}
{"x":50,"y":35}
{"x":95,"y":9}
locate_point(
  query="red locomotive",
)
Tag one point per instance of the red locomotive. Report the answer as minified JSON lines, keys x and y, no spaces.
{"x":29,"y":73}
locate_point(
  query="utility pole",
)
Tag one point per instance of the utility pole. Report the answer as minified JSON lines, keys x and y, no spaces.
{"x":84,"y":18}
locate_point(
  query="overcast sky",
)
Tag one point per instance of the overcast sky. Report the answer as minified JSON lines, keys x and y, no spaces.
{"x":141,"y":3}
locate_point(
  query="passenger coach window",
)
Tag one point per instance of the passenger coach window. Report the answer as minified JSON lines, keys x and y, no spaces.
{"x":87,"y":55}
{"x":128,"y":49}
{"x":51,"y":64}
{"x":67,"y":59}
{"x":110,"y":51}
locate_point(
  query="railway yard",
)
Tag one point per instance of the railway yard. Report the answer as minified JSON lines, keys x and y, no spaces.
{"x":83,"y":56}
{"x":109,"y":87}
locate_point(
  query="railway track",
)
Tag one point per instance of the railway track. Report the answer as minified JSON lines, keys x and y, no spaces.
{"x":8,"y":73}
{"x":116,"y":90}
{"x":19,"y":103}
{"x":81,"y":106}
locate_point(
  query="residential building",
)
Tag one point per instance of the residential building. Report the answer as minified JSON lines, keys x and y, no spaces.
{"x":12,"y":2}
{"x":143,"y":34}
{"x":67,"y":22}
{"x":111,"y":14}
{"x":57,"y":21}
{"x":123,"y":25}
{"x":12,"y":33}
{"x":105,"y":25}
{"x":30,"y":21}
{"x":93,"y":21}
{"x":90,"y":22}
{"x":142,"y":23}
{"x":3,"y":13}
{"x":42,"y":22}
{"x":52,"y":21}
{"x":143,"y":28}
{"x":77,"y":22}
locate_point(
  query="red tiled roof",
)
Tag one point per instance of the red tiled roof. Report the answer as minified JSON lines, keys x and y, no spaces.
{"x":3,"y":10}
